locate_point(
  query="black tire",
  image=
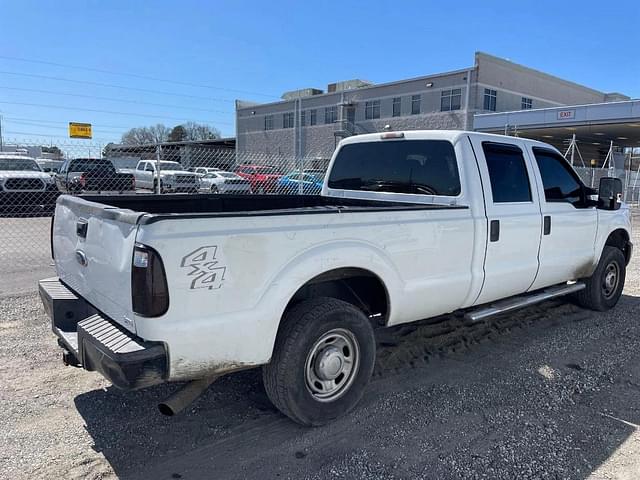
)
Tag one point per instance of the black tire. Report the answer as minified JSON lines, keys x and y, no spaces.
{"x":599,"y":294}
{"x":286,"y":377}
{"x":214,"y":189}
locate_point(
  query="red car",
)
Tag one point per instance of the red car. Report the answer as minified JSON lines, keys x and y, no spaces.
{"x":263,"y":178}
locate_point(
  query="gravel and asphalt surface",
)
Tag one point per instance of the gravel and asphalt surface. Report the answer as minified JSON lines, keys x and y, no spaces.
{"x":548,"y":392}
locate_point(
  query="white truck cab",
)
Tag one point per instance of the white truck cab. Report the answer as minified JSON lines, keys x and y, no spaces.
{"x":409,"y":225}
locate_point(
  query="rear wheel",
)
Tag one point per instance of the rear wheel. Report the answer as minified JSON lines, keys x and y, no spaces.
{"x":323,"y":359}
{"x":605,"y":286}
{"x":214,"y":189}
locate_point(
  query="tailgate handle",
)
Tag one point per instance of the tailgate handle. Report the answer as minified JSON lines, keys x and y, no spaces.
{"x":81,"y":228}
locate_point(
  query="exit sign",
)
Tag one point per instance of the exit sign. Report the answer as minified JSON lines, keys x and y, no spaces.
{"x":566,"y":114}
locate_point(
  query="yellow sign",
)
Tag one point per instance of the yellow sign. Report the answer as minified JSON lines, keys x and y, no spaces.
{"x":79,"y":130}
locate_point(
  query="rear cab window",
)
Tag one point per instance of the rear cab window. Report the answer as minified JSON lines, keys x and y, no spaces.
{"x":426,"y":167}
{"x":507,"y":173}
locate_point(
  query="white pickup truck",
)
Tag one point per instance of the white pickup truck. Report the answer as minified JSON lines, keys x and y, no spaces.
{"x":409,"y":225}
{"x":173,"y":177}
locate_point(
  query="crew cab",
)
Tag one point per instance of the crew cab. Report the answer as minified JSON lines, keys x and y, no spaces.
{"x":24,"y":188}
{"x":92,"y":175}
{"x":170,"y":176}
{"x":409,"y":225}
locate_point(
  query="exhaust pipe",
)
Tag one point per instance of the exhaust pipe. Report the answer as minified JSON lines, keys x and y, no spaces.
{"x":185,"y":396}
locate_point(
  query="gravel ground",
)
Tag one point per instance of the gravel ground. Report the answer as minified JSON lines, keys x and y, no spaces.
{"x":548,"y":392}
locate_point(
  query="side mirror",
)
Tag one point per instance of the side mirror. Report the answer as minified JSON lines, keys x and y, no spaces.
{"x":610,"y":193}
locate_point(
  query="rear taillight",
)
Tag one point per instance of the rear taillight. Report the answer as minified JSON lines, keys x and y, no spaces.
{"x":149,"y":291}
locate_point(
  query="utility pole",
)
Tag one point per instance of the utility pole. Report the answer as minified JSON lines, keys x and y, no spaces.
{"x":1,"y":133}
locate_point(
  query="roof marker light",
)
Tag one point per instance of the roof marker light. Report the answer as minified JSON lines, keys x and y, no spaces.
{"x":388,"y":135}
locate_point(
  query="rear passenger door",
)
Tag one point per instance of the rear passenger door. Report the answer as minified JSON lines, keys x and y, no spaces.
{"x":569,"y":224}
{"x":514,"y":223}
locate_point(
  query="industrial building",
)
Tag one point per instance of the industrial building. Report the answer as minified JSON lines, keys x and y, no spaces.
{"x":309,"y":122}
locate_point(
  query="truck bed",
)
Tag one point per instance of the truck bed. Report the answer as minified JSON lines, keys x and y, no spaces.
{"x":162,"y":207}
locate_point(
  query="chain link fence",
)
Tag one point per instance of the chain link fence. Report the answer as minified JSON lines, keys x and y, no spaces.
{"x":32,"y":178}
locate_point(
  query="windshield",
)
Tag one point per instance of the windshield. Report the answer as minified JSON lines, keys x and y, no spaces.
{"x":409,"y":166}
{"x":19,"y":164}
{"x":84,"y":164}
{"x":266,"y":170}
{"x":170,"y":166}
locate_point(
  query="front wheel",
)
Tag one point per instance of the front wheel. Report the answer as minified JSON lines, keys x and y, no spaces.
{"x":605,"y":286}
{"x":322,"y":361}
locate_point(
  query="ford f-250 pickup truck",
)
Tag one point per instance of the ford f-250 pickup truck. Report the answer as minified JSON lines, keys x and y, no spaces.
{"x":410,"y":225}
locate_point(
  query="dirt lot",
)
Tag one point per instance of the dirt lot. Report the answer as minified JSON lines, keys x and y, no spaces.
{"x":549,"y":392}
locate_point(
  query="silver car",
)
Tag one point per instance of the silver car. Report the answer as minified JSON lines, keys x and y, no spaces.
{"x":224,"y":182}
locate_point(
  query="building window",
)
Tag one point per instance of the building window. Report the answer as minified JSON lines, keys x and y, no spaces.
{"x":287,"y":120}
{"x":303,"y":118}
{"x":268,"y":122}
{"x":351,"y":115}
{"x":397,"y":103}
{"x":331,"y":114}
{"x":415,"y":104}
{"x":372,"y":109}
{"x":313,"y":119}
{"x":490,"y":99}
{"x":527,"y":103}
{"x":450,"y":100}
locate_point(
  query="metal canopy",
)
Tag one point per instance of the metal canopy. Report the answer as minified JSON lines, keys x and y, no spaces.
{"x":595,"y":126}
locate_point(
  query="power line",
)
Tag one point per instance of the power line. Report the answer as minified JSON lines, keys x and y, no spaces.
{"x":110,"y":85}
{"x":60,"y":127}
{"x":62,"y":107}
{"x":111,"y":99}
{"x":48,"y":136}
{"x":135,"y":75}
{"x":59,"y":122}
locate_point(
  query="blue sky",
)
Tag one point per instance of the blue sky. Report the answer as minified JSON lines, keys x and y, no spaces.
{"x":200,"y":56}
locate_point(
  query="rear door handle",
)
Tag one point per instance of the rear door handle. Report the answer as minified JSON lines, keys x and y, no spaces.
{"x":546,"y":225}
{"x":494,"y":230}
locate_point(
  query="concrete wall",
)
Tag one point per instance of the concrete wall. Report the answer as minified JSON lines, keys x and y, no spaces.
{"x":510,"y":80}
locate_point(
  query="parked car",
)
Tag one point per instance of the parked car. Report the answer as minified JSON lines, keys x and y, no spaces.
{"x":295,"y":182}
{"x":409,"y":225}
{"x":204,"y":170}
{"x":263,"y":178}
{"x":173,"y":177}
{"x":89,"y":175}
{"x":224,"y":182}
{"x":24,"y":187}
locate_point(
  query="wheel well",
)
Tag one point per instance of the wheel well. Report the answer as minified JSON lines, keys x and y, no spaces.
{"x":620,"y":239}
{"x":357,"y":286}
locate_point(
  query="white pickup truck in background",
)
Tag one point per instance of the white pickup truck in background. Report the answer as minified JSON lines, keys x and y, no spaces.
{"x":409,"y":225}
{"x":171,"y":177}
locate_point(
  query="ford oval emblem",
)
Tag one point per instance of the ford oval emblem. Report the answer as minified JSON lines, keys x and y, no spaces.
{"x":81,"y":258}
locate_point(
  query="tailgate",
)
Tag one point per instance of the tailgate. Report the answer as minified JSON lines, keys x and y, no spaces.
{"x":93,"y":247}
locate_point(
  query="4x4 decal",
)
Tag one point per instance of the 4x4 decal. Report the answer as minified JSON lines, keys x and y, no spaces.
{"x":203,"y":266}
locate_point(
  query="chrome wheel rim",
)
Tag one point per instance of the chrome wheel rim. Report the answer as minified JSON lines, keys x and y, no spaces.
{"x":610,"y":279}
{"x":332,"y":365}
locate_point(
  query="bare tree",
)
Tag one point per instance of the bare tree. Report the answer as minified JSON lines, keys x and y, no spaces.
{"x":146,"y":135}
{"x":197,"y":131}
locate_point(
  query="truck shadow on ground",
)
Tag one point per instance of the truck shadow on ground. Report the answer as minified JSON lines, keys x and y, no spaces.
{"x":548,"y":391}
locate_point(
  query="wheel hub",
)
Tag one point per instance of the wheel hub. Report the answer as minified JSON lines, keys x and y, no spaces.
{"x":329,"y":363}
{"x":332,"y":364}
{"x":610,"y":280}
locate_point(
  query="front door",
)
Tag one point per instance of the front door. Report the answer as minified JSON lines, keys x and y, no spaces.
{"x":568,"y":237}
{"x":514,"y":224}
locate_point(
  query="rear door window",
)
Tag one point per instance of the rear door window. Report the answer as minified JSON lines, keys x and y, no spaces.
{"x":507,"y":173}
{"x":425,"y":167}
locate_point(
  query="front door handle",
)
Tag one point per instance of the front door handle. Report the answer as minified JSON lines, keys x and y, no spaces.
{"x":546,"y":225}
{"x":494,"y":230}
